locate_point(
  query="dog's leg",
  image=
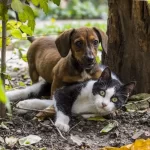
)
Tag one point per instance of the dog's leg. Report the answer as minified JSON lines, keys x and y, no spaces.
{"x":33,"y":73}
{"x":33,"y":104}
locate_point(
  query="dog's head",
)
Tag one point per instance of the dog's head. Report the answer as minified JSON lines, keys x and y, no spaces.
{"x":83,"y":43}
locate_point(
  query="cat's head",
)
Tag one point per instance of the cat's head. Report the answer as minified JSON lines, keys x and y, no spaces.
{"x":110,"y":94}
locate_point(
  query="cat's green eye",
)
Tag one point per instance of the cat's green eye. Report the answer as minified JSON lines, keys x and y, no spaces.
{"x":102,"y":93}
{"x":114,"y":99}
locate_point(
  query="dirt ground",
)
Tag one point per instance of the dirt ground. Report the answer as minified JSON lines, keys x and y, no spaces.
{"x":87,"y":131}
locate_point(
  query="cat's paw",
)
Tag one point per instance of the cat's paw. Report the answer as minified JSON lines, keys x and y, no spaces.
{"x":62,"y":126}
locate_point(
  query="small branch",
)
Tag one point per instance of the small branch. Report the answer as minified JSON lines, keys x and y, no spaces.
{"x":74,"y":126}
{"x":58,"y":130}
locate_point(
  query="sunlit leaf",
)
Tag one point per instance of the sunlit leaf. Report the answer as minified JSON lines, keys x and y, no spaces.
{"x":17,"y":6}
{"x":24,"y":57}
{"x":35,"y":2}
{"x":16,"y":33}
{"x":26,"y":29}
{"x":44,"y":5}
{"x":31,"y":23}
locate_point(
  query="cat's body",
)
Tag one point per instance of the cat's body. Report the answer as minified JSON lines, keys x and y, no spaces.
{"x":101,"y":97}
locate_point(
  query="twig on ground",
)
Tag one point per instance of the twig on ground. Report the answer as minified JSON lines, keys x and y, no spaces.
{"x":58,"y":130}
{"x":74,"y":126}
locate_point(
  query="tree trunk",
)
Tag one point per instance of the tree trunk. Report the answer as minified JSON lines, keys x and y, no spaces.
{"x":129,"y":42}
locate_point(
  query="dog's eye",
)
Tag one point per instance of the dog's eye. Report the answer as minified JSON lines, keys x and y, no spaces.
{"x":102,"y":93}
{"x":95,"y":42}
{"x":79,"y":43}
{"x":114,"y":99}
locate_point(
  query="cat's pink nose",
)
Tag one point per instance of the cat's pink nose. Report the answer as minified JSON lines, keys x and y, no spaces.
{"x":104,"y":105}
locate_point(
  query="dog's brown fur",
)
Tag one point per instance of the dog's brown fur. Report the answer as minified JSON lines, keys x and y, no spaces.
{"x":63,"y":60}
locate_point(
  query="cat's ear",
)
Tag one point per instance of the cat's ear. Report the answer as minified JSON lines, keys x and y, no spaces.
{"x":106,"y":74}
{"x":129,"y":87}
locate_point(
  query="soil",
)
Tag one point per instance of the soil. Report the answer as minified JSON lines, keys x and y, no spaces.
{"x":87,"y":131}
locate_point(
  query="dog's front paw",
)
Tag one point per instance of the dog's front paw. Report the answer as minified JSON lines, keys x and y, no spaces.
{"x":62,"y":126}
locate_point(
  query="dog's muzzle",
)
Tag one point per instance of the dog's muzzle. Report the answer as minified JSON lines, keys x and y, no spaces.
{"x":89,"y":61}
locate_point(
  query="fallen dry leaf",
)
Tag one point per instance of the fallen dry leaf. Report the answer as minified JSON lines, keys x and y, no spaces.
{"x":49,"y":112}
{"x":98,"y":118}
{"x":28,"y":140}
{"x":109,"y":127}
{"x":76,"y":139}
{"x":11,"y":141}
{"x":139,"y":144}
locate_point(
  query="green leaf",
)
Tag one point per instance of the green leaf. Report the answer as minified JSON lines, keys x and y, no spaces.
{"x":17,"y":6}
{"x":44,"y":5}
{"x":57,"y":2}
{"x":109,"y":127}
{"x":27,"y":15}
{"x":3,"y":97}
{"x":31,"y":23}
{"x":16,"y":33}
{"x":21,"y":83}
{"x":24,"y":57}
{"x":97,"y":118}
{"x":35,"y":2}
{"x":26,"y":29}
{"x":22,"y":17}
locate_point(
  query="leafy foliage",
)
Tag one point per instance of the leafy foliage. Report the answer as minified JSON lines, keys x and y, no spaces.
{"x":20,"y":29}
{"x":78,"y":9}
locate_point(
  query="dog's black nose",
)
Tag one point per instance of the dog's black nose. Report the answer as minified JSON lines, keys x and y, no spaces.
{"x":90,"y":59}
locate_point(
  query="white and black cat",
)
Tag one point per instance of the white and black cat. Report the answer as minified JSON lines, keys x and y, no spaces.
{"x":102,"y":97}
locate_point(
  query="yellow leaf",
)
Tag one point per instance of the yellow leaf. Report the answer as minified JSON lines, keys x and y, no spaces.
{"x":53,"y":20}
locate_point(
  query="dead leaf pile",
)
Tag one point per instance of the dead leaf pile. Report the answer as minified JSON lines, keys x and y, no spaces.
{"x":139,"y":144}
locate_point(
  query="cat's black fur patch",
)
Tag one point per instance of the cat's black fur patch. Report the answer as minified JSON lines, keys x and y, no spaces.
{"x":66,"y":96}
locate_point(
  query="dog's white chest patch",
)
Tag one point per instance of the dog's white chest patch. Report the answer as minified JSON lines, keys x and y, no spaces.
{"x":85,"y":76}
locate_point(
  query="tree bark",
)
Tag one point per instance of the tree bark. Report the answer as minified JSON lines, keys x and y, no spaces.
{"x":129,"y":42}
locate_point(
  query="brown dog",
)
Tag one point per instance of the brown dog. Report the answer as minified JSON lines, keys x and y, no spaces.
{"x":68,"y":59}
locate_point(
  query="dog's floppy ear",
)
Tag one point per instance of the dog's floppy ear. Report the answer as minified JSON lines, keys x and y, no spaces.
{"x":103,"y":38}
{"x":63,"y":42}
